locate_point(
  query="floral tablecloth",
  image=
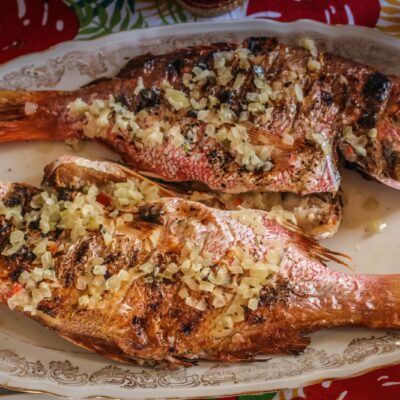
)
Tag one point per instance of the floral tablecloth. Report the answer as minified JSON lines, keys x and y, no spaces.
{"x":33,"y":25}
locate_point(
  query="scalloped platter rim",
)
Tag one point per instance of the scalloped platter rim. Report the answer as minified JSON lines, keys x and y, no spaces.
{"x":36,"y":360}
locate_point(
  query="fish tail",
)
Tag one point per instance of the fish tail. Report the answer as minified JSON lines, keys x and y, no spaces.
{"x":362,"y":300}
{"x":371,"y":301}
{"x":27,"y":116}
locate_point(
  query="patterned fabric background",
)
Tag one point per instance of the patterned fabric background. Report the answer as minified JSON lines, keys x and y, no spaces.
{"x":33,"y":25}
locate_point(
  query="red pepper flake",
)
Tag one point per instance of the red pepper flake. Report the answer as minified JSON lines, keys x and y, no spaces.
{"x":349,"y":151}
{"x":17,"y":287}
{"x":103,"y":199}
{"x":53,"y":248}
{"x":238,"y":201}
{"x":350,"y":154}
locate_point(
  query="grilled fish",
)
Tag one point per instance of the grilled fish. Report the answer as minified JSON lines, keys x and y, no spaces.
{"x":254,"y":116}
{"x":319,"y":215}
{"x":170,"y":280}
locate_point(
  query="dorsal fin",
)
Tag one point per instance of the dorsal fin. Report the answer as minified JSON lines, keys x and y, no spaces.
{"x":165,"y":190}
{"x":321,"y":253}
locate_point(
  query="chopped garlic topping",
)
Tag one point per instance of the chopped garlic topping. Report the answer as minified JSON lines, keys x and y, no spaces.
{"x":30,"y":108}
{"x":358,"y":143}
{"x":139,"y":86}
{"x":299,"y":93}
{"x":373,"y":133}
{"x":229,"y":73}
{"x":240,"y":79}
{"x":224,"y":76}
{"x":313,"y":65}
{"x":75,"y":217}
{"x":177,"y":99}
{"x":232,"y":282}
{"x":324,"y":142}
{"x":309,"y":45}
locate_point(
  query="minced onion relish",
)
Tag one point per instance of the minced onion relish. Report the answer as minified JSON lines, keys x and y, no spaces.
{"x":85,"y":212}
{"x":233,"y":282}
{"x":222,"y":123}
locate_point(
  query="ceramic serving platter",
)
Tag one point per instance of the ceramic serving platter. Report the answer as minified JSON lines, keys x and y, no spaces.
{"x":34,"y":359}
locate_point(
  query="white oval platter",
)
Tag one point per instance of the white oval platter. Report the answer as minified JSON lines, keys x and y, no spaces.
{"x":34,"y":359}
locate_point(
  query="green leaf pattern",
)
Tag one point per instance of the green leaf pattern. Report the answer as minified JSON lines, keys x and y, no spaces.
{"x":102,"y":17}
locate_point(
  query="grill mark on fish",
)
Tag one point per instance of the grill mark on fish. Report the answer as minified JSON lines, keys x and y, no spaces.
{"x":138,"y":321}
{"x":51,"y":307}
{"x":19,"y":262}
{"x":174,"y":68}
{"x":281,"y":292}
{"x":257,"y":44}
{"x":82,"y":251}
{"x":19,"y":196}
{"x":188,"y":327}
{"x":15,"y":273}
{"x":68,"y":278}
{"x":5,"y":230}
{"x":367,"y":120}
{"x":220,"y":159}
{"x":377,"y":86}
{"x":254,"y":318}
{"x":134,"y":258}
{"x":327,"y":97}
{"x":110,"y":258}
{"x":64,"y":194}
{"x":151,"y":213}
{"x":148,"y":98}
{"x":125,"y":100}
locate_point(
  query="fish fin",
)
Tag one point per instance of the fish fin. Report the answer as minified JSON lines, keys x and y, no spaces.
{"x":164,"y":188}
{"x":325,"y":230}
{"x":319,"y":252}
{"x":17,"y":125}
{"x":297,"y":344}
{"x":291,"y":342}
{"x":151,"y":175}
{"x":64,"y":172}
{"x":280,"y":160}
{"x":140,"y":229}
{"x":114,"y":353}
{"x":281,"y":152}
{"x":263,"y":137}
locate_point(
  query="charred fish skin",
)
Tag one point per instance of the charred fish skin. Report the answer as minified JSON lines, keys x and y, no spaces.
{"x":365,"y":100}
{"x":170,"y":280}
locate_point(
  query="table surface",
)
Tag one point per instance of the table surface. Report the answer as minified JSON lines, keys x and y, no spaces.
{"x":34,"y":25}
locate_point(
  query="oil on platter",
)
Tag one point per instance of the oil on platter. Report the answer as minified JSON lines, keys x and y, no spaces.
{"x":34,"y":359}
